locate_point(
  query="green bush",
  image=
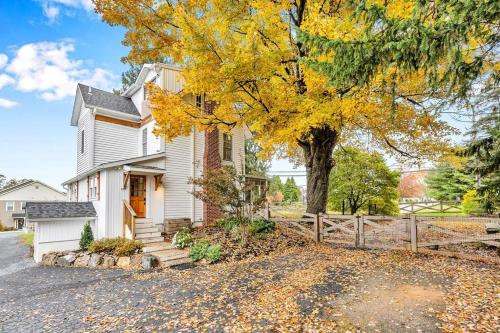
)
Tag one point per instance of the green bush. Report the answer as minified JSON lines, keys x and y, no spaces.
{"x":87,"y":237}
{"x":199,"y":249}
{"x":182,"y":238}
{"x":471,"y":202}
{"x":214,"y":253}
{"x":230,"y":222}
{"x":261,"y":226}
{"x":117,"y":246}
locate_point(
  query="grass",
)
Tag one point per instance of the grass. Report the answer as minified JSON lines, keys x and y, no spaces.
{"x":27,"y":239}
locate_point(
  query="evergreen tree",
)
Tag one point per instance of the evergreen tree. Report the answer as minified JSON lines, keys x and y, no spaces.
{"x":448,"y":183}
{"x":275,"y":186}
{"x":484,"y":154}
{"x":87,"y":237}
{"x":291,"y":191}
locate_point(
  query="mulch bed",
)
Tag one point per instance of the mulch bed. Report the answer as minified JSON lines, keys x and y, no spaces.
{"x":251,"y":245}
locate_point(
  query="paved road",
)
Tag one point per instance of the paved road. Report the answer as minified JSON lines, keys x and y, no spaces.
{"x":29,"y":293}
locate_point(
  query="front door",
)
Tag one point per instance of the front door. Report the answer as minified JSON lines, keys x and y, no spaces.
{"x":138,"y":195}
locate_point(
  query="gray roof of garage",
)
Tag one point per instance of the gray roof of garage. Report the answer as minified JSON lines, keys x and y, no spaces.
{"x":59,"y":210}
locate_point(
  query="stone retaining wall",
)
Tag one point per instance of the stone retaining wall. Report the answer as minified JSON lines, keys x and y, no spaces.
{"x":99,"y":260}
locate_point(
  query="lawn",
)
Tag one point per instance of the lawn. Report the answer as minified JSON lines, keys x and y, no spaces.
{"x":27,"y":239}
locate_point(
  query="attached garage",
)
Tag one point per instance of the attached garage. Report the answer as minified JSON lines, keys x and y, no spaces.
{"x":58,"y":225}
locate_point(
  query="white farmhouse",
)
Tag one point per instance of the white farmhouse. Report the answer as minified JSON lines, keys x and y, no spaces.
{"x":137,"y":182}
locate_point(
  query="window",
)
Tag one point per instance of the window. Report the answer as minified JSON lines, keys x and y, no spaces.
{"x":227,"y":147}
{"x":9,"y":206}
{"x":93,"y":187}
{"x":198,"y":101}
{"x":23,"y":205}
{"x":82,"y":142}
{"x":144,"y":142}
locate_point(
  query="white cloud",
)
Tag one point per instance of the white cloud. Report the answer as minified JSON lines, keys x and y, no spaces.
{"x":5,"y":80}
{"x":46,"y":68}
{"x":6,"y":103}
{"x":3,"y":60}
{"x":52,"y":8}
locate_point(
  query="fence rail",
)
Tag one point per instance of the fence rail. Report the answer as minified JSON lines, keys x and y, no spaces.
{"x":471,"y":237}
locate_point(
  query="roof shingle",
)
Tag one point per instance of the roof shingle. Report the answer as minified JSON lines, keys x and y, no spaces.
{"x":100,"y":98}
{"x":59,"y":210}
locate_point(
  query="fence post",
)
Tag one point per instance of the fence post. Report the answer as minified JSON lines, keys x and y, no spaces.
{"x":268,"y":211}
{"x":413,"y":233}
{"x":361,"y":229}
{"x":316,"y":227}
{"x":356,"y":231}
{"x":321,"y":227}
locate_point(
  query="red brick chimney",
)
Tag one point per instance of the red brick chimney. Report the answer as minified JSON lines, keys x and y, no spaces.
{"x":211,"y":160}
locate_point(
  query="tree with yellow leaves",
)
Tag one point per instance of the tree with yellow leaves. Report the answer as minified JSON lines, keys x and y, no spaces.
{"x":246,"y":57}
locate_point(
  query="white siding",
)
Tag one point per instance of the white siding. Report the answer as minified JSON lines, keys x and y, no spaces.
{"x":154,"y":142}
{"x":114,"y":142}
{"x":115,"y":194}
{"x":138,"y":96}
{"x":100,"y":206}
{"x":178,"y":167}
{"x":172,"y":80}
{"x":34,"y":192}
{"x":58,"y":235}
{"x":198,"y":168}
{"x":84,"y":161}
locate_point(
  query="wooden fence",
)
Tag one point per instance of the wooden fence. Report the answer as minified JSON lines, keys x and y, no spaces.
{"x":408,"y":232}
{"x":425,"y":207}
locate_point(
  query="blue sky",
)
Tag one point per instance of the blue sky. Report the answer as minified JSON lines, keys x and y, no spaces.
{"x":45,"y":48}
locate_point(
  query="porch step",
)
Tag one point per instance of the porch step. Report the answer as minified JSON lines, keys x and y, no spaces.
{"x":142,"y":235}
{"x":150,"y":240}
{"x":176,"y":262}
{"x":145,"y":229}
{"x":143,"y":220}
{"x":173,"y":254}
{"x":153,"y":247}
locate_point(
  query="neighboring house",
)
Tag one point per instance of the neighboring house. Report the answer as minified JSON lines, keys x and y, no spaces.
{"x":13,"y":200}
{"x":123,"y":169}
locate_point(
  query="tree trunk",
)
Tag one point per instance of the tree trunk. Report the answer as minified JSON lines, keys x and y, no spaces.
{"x":318,"y":152}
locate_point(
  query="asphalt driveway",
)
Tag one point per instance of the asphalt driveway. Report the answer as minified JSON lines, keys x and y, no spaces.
{"x":312,"y":289}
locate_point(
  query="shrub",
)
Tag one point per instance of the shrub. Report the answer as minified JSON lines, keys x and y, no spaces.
{"x":87,"y":237}
{"x":182,"y":238}
{"x":214,"y":253}
{"x":117,"y":246}
{"x":261,"y":226}
{"x":471,"y":203}
{"x":230,"y":222}
{"x":199,"y":249}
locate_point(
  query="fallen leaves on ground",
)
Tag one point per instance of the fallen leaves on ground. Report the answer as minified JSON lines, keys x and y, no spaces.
{"x":315,"y":288}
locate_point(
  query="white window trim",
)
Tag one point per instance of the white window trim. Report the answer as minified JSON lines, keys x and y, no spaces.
{"x":93,"y":187}
{"x":232,"y":148}
{"x":10,"y":206}
{"x":144,"y":140}
{"x":82,"y":141}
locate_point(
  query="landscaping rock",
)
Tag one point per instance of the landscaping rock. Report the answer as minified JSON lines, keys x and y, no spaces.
{"x":108,"y":261}
{"x":136,"y":260}
{"x":49,"y":259}
{"x":95,"y":260}
{"x":66,"y":260}
{"x":149,"y":262}
{"x":82,"y":261}
{"x":123,"y":262}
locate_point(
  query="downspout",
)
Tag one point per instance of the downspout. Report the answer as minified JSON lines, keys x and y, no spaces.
{"x":193,"y":173}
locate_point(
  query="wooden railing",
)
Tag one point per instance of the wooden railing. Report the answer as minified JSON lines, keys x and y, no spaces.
{"x":128,"y":219}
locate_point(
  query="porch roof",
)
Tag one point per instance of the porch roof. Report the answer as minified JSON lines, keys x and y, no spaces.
{"x":114,"y":164}
{"x":144,"y":169}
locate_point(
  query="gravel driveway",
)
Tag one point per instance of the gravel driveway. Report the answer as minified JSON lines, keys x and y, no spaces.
{"x":312,"y":289}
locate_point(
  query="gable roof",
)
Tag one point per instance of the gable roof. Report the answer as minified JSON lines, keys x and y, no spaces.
{"x":107,"y":100}
{"x":25,"y":183}
{"x":59,"y":210}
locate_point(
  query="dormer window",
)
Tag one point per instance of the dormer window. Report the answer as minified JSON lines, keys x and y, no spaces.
{"x":227,"y":147}
{"x":82,"y":142}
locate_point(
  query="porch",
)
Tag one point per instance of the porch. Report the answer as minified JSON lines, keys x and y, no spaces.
{"x":142,"y":183}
